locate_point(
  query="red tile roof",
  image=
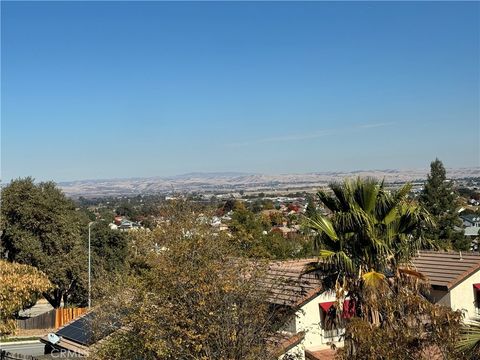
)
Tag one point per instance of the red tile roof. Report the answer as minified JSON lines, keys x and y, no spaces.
{"x":288,"y":283}
{"x":327,"y":354}
{"x":281,"y":343}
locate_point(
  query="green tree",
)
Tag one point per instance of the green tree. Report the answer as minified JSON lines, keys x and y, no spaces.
{"x":126,"y":209}
{"x":311,"y":209}
{"x":367,"y":237}
{"x":110,"y":247}
{"x":109,"y":255}
{"x":440,"y":199}
{"x":365,"y":247}
{"x":40,"y":228}
{"x":193,"y":299}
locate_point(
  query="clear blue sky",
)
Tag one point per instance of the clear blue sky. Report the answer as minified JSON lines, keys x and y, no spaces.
{"x":128,"y":89}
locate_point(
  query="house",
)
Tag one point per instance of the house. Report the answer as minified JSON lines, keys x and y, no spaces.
{"x":470,"y":220}
{"x":454,"y":278}
{"x":472,"y":231}
{"x":284,"y":230}
{"x":288,"y":346}
{"x":121,"y":223}
{"x":289,"y":286}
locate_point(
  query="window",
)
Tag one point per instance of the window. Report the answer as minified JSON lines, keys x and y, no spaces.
{"x":332,"y":323}
{"x":476,"y":294}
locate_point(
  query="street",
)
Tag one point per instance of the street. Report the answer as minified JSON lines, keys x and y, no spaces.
{"x":33,"y":347}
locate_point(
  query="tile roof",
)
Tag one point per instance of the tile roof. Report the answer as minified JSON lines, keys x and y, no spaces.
{"x":281,"y":343}
{"x":446,"y":269}
{"x":326,"y":354}
{"x":288,"y":284}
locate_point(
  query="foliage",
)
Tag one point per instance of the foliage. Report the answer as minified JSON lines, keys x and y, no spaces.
{"x":370,"y":231}
{"x":20,"y":284}
{"x":191,"y":299}
{"x":439,"y":198}
{"x":253,"y":237}
{"x":40,"y":228}
{"x":470,"y":339}
{"x":410,"y":327}
{"x":364,"y":248}
{"x":126,"y":209}
{"x":311,"y":210}
{"x":109,"y":247}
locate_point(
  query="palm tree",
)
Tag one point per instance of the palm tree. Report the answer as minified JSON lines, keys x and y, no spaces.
{"x":469,"y":342}
{"x":369,"y":233}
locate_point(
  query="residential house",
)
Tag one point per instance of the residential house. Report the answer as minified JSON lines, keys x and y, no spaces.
{"x":454,"y":278}
{"x":121,"y":223}
{"x":73,"y":339}
{"x":284,"y":230}
{"x":470,"y":220}
{"x":312,"y":305}
{"x":471,"y":223}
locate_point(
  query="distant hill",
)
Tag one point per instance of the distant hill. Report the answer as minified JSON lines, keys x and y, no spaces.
{"x":235,"y":181}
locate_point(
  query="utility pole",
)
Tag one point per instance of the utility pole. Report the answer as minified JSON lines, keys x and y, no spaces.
{"x":89,"y":267}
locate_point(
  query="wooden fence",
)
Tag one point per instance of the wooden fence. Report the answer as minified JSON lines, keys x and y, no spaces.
{"x":52,"y":319}
{"x":65,"y":315}
{"x":42,"y":321}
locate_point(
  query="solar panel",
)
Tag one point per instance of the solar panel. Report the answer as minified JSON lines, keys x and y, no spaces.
{"x":80,"y":330}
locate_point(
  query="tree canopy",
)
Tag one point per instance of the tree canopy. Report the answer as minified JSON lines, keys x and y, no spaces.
{"x":364,"y":248}
{"x":19,"y":286}
{"x":440,"y":199}
{"x":370,"y":229}
{"x":191,"y":299}
{"x":40,"y":228}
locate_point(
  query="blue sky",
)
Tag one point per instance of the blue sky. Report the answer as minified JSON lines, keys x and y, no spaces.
{"x":128,"y":89}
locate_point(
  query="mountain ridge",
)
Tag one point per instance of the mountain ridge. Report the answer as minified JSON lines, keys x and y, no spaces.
{"x":231,"y":181}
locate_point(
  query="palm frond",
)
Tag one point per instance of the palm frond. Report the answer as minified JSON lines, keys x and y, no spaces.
{"x":343,"y":194}
{"x":412,"y":273}
{"x":323,"y":225}
{"x":365,"y":194}
{"x":373,"y":279}
{"x":337,"y":258}
{"x":469,"y":342}
{"x":329,"y":201}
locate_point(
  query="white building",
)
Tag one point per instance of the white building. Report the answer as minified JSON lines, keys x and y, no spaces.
{"x":312,"y":306}
{"x":454,"y":277}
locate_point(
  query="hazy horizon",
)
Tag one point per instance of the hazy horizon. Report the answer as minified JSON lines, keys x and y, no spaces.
{"x":241,"y":173}
{"x":104,"y":90}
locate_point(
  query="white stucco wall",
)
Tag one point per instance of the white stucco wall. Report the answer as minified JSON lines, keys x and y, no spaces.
{"x":308,"y":319}
{"x":297,"y":352}
{"x":462,"y":296}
